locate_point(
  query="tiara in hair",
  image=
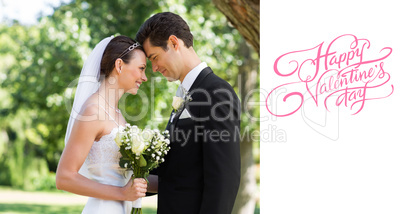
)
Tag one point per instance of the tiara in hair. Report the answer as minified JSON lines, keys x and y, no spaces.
{"x":129,"y":49}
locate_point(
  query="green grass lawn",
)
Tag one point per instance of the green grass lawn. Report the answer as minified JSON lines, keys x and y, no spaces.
{"x":49,"y":209}
{"x":37,"y":208}
{"x":17,"y":206}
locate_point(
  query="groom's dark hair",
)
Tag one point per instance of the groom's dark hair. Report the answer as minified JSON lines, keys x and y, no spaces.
{"x":160,"y":26}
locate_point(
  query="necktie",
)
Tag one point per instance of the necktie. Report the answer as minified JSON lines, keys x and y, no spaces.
{"x":181,"y":91}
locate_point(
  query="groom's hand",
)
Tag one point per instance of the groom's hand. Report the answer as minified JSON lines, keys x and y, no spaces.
{"x":134,"y":189}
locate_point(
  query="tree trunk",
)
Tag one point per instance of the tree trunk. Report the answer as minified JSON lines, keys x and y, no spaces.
{"x":247,"y":81}
{"x":245,"y":17}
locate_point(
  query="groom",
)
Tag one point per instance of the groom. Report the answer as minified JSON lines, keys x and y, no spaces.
{"x":201,"y":173}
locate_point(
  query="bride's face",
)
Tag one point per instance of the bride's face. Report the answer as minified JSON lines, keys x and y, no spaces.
{"x":133,"y":73}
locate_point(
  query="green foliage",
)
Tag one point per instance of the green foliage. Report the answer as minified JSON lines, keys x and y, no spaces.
{"x":38,"y":66}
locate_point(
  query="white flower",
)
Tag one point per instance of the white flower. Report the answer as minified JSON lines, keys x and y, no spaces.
{"x":147,"y":135}
{"x":163,"y":160}
{"x":137,"y":145}
{"x":135,"y":130}
{"x":160,"y":144}
{"x":177,"y":101}
{"x":118,"y":139}
{"x":153,"y":155}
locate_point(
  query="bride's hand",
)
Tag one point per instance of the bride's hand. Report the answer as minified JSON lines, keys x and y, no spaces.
{"x":135,"y":189}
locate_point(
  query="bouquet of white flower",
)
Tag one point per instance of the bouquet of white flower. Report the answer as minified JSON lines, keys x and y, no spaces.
{"x":142,"y":151}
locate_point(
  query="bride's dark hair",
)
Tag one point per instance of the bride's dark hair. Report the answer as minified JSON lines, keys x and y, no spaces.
{"x":113,"y":51}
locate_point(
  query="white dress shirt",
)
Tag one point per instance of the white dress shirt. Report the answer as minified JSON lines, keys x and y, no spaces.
{"x":190,"y":78}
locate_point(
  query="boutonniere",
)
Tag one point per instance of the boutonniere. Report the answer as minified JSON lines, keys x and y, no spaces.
{"x":179,"y":103}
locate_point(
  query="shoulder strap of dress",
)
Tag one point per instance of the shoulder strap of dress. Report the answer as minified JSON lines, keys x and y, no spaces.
{"x":117,"y":124}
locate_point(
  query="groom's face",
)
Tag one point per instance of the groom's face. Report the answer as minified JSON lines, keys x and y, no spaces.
{"x":165,"y":62}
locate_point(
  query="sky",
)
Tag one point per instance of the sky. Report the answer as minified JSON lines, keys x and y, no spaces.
{"x":27,"y":11}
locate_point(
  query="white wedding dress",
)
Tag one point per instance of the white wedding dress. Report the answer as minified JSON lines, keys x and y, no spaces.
{"x":102,"y":163}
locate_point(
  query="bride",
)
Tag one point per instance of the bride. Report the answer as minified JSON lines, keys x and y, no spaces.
{"x":89,"y":164}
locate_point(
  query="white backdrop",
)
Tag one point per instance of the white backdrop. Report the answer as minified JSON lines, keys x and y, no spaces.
{"x":331,"y":161}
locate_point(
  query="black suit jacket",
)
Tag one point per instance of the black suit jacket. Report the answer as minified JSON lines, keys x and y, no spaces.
{"x":201,"y":173}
